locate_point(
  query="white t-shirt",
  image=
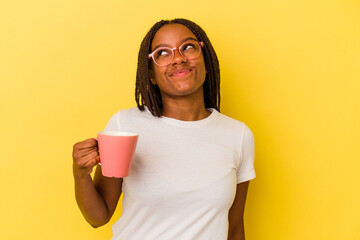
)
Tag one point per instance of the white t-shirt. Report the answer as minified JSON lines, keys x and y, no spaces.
{"x":183,"y":178}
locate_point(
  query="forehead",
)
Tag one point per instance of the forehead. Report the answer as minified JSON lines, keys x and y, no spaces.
{"x":172,"y":34}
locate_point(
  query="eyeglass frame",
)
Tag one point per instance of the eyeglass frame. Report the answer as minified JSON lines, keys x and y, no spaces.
{"x":151,"y":55}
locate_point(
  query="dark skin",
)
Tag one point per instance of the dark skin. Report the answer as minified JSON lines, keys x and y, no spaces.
{"x":236,"y":213}
{"x":96,"y":199}
{"x":181,"y":87}
{"x":182,"y":94}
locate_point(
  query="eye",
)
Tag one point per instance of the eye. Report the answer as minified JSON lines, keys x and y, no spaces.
{"x":189,"y":46}
{"x":162,"y":53}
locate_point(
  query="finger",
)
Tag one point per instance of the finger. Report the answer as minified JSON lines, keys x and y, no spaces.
{"x":80,"y":150}
{"x":78,"y":154}
{"x":91,"y":163}
{"x":83,"y":160}
{"x":89,"y":151}
{"x":88,"y":143}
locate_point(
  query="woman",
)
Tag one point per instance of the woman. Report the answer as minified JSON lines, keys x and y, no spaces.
{"x":192,"y":165}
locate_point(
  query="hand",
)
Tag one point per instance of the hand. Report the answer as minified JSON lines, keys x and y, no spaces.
{"x":85,"y":157}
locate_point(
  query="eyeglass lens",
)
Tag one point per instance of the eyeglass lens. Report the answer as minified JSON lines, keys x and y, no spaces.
{"x":189,"y":50}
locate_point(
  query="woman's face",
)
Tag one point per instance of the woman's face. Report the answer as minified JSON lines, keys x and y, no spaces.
{"x":182,"y":77}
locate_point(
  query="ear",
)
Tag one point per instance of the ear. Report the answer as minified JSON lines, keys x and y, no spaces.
{"x":152,"y":77}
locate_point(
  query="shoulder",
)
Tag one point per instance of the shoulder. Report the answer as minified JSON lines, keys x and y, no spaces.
{"x":129,"y":113}
{"x":126,"y":117}
{"x":236,"y":127}
{"x":231,"y":122}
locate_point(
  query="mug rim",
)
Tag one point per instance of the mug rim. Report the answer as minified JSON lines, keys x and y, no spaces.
{"x":118,"y":133}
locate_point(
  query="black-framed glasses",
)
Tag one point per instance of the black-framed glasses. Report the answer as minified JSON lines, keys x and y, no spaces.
{"x":189,"y":50}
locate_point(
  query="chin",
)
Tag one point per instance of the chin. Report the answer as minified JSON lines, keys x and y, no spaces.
{"x":184,"y":91}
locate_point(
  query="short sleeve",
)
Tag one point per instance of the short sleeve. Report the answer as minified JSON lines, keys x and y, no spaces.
{"x":246,"y":169}
{"x":114,"y":123}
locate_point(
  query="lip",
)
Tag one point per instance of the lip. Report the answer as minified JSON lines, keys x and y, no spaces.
{"x":181,"y":72}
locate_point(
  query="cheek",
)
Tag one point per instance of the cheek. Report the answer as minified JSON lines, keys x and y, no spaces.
{"x":201,"y":64}
{"x":157,"y":72}
{"x":202,"y":69}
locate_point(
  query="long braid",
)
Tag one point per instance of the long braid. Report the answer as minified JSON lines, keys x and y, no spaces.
{"x":147,"y":94}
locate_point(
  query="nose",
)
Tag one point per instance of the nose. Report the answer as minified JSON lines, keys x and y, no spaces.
{"x":178,"y":58}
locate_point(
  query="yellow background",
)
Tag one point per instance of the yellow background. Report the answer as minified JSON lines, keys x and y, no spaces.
{"x":290,"y":70}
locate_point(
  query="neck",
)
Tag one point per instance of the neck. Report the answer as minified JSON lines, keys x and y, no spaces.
{"x":190,"y":108}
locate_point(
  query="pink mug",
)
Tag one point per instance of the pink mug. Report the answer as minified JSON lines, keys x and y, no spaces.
{"x":116,"y":150}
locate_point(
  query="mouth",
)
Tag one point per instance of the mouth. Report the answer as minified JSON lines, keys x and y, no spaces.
{"x":181,"y":72}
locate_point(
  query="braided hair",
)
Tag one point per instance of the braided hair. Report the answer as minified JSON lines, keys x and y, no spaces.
{"x":147,"y":94}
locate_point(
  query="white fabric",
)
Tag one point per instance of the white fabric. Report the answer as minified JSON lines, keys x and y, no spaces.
{"x":183,"y":177}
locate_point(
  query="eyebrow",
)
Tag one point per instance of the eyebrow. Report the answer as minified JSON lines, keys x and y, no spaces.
{"x":182,"y":41}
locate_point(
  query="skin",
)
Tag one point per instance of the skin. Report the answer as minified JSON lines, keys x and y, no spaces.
{"x":96,"y":199}
{"x":182,"y":96}
{"x":236,"y":213}
{"x":183,"y":99}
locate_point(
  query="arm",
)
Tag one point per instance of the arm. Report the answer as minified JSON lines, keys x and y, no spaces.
{"x":96,"y":199}
{"x":236,"y":213}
